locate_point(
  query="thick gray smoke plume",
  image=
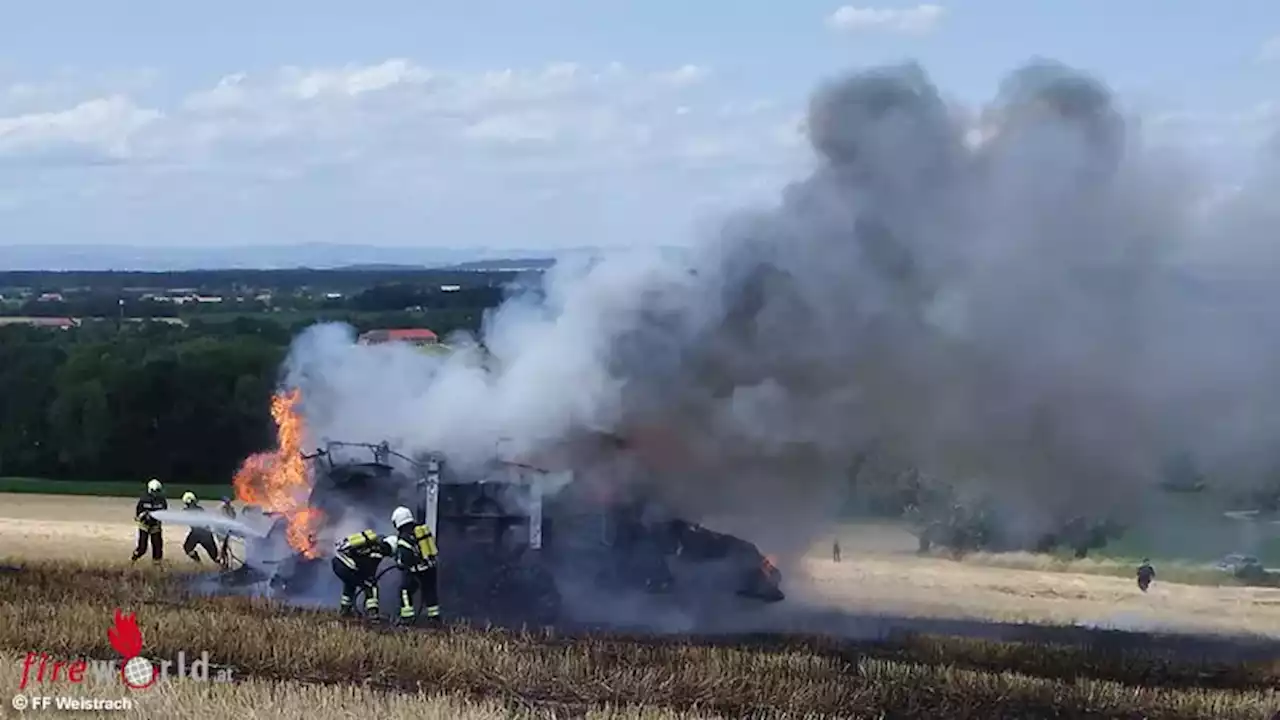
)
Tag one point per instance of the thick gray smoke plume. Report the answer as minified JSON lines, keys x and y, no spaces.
{"x":1031,"y":298}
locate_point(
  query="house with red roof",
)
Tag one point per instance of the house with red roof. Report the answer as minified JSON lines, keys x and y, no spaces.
{"x":413,"y":336}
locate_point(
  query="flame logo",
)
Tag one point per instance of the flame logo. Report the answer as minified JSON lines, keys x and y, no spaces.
{"x":278,"y":481}
{"x":126,"y":638}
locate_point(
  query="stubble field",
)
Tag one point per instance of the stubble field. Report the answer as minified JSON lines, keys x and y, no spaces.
{"x":298,"y":663}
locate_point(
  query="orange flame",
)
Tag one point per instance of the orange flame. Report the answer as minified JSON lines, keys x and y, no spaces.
{"x":277,"y":481}
{"x":303,"y":526}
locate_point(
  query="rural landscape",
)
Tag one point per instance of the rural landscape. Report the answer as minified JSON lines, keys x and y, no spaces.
{"x":883,"y":630}
{"x":640,"y":361}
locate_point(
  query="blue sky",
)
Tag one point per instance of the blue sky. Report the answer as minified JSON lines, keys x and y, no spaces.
{"x":537,"y":124}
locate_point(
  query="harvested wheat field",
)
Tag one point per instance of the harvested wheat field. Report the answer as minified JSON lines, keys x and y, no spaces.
{"x":936,"y":587}
{"x":880,"y":573}
{"x":290,"y":662}
{"x":71,"y":527}
{"x":284,"y":657}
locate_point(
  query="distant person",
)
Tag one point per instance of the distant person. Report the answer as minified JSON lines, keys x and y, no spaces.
{"x":198,"y":536}
{"x":835,"y":550}
{"x":1146,"y":574}
{"x":150,"y":530}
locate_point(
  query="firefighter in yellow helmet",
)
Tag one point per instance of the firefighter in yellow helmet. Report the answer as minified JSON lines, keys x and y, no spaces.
{"x":416,"y":557}
{"x":149,"y":529}
{"x":198,"y":535}
{"x":355,"y":562}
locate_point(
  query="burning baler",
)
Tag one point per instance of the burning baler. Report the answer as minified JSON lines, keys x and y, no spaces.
{"x":514,"y":539}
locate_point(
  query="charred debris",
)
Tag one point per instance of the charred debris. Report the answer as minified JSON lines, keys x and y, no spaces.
{"x":518,"y":544}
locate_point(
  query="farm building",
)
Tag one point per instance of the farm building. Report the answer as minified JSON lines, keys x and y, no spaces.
{"x":413,"y":336}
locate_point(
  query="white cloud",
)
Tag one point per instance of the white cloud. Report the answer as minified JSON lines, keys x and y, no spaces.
{"x":917,"y":20}
{"x":101,"y":129}
{"x":397,"y":109}
{"x":405,"y":145}
{"x":684,"y":76}
{"x":227,"y":94}
{"x":353,"y":80}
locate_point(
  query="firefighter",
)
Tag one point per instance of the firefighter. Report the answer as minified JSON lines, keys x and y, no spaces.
{"x":355,"y":562}
{"x":149,"y":529}
{"x":1146,"y":574}
{"x":198,"y":536}
{"x":416,"y":557}
{"x":229,"y":511}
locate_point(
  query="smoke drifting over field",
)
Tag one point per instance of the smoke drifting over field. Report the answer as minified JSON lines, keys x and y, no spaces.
{"x":1001,"y":296}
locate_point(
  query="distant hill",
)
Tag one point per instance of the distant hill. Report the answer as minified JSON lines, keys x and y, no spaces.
{"x":502,"y":264}
{"x":381,"y":267}
{"x":317,"y":256}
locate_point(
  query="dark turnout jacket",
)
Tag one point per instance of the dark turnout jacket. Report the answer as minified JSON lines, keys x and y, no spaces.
{"x":199,"y":533}
{"x":148,"y":504}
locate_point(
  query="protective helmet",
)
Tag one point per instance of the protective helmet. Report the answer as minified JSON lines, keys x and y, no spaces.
{"x":226,"y":500}
{"x":153,"y":485}
{"x":188,"y":498}
{"x":401,"y":516}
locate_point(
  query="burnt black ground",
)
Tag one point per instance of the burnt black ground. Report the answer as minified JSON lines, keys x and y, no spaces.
{"x":779,"y":626}
{"x":1065,"y":654}
{"x":1166,"y":658}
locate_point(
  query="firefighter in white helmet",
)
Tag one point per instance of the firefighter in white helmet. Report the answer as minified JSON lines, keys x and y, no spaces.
{"x":149,"y":529}
{"x":416,"y":556}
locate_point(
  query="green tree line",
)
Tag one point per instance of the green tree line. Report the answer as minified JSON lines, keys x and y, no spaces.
{"x":137,"y":402}
{"x":123,"y":401}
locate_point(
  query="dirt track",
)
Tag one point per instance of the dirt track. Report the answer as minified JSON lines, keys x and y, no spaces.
{"x":878,"y":574}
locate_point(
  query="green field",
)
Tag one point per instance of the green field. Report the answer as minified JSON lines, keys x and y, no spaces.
{"x":106,"y":488}
{"x":1194,"y":528}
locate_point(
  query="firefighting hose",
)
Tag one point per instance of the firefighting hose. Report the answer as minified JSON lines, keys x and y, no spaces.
{"x":376,"y":578}
{"x":228,"y":556}
{"x":360,"y":590}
